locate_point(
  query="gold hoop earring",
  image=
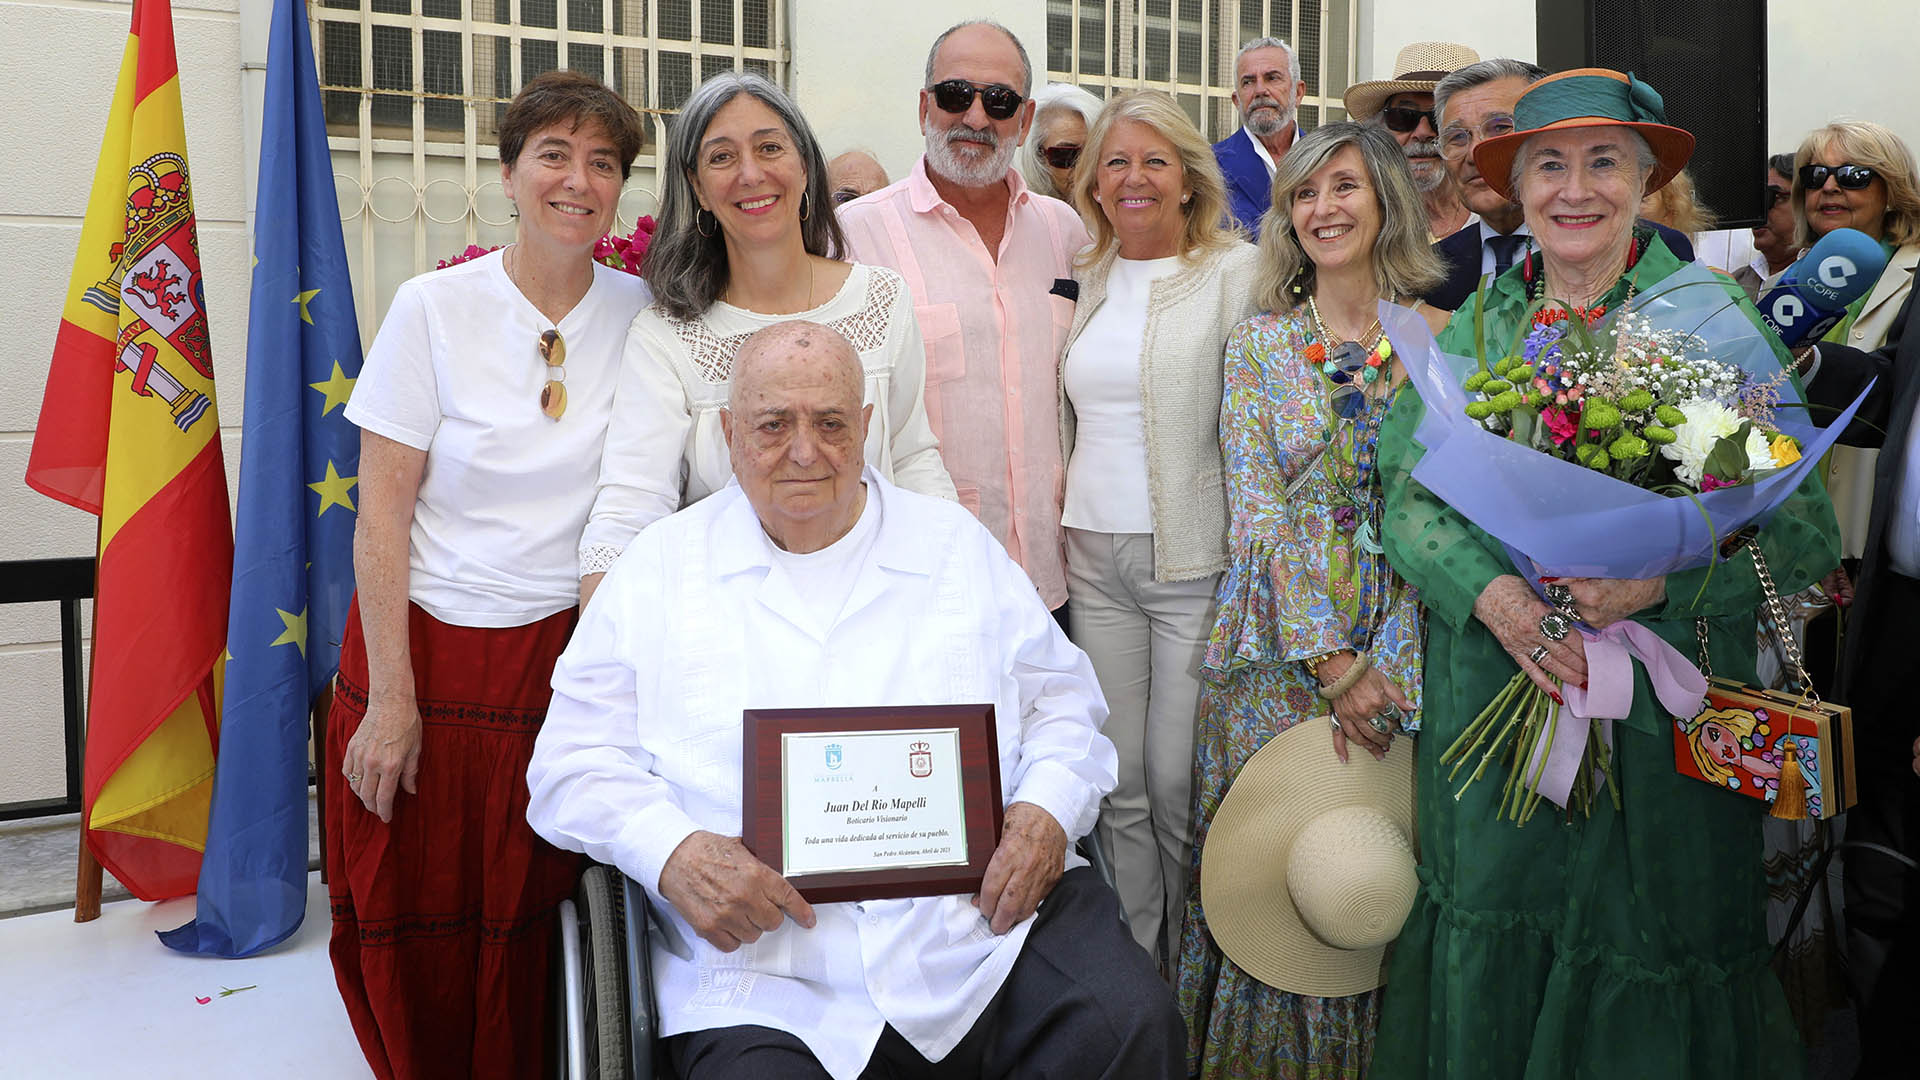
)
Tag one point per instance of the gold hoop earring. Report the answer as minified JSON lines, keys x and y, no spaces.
{"x":699,"y":223}
{"x":805,"y":207}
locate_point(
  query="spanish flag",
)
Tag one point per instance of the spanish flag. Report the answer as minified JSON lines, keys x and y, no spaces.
{"x":128,"y":431}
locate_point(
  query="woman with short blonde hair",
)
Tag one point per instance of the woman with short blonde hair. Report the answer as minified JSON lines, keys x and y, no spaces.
{"x":1204,"y":212}
{"x":1145,"y":513}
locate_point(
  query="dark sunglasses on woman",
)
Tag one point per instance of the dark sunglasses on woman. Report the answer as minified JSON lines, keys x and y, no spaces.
{"x":1851,"y":177}
{"x":1402,"y":119}
{"x":956,"y":96}
{"x":1062,"y":156}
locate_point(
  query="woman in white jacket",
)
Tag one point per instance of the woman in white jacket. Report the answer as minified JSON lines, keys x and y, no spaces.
{"x":1145,"y":507}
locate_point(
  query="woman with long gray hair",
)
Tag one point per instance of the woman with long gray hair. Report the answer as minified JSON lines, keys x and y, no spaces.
{"x":747,"y":238}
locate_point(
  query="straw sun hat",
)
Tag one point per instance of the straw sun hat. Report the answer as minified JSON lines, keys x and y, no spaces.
{"x":1587,"y":97}
{"x":1307,"y":873}
{"x":1417,"y":70}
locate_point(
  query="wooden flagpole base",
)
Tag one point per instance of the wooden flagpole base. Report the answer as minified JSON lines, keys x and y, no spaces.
{"x":86,"y":885}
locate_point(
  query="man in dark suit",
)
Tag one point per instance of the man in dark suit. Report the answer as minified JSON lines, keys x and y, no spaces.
{"x":1267,"y":89}
{"x":1475,"y":104}
{"x":1882,"y":893}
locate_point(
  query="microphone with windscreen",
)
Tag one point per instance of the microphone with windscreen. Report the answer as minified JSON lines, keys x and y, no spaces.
{"x":1811,"y":297}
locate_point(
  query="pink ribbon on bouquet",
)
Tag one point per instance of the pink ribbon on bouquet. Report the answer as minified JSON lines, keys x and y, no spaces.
{"x":1609,"y":697}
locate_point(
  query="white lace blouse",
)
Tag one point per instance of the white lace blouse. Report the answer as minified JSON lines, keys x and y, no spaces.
{"x":664,"y":447}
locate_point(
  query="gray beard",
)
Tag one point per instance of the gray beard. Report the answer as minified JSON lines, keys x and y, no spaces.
{"x":1429,"y":172}
{"x":950,"y":166}
{"x":1267,"y":122}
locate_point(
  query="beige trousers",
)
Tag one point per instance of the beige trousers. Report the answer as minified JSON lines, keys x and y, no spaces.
{"x":1146,"y":640}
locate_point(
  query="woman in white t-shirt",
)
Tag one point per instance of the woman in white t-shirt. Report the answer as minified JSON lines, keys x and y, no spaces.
{"x":1145,"y":515}
{"x":483,"y":406}
{"x":747,"y":239}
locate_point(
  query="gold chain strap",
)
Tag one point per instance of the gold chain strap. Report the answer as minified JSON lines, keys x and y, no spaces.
{"x":1776,"y":623}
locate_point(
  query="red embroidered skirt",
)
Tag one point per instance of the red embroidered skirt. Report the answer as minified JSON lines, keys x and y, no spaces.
{"x":443,"y":919}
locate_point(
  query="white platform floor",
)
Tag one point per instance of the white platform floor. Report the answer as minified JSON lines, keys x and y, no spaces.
{"x":106,"y":999}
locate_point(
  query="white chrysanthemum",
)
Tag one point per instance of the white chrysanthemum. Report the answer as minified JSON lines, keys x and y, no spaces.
{"x":1707,"y":423}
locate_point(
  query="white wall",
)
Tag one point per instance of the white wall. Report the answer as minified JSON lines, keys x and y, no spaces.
{"x":1823,"y":62}
{"x":62,"y":60}
{"x":1493,"y":28}
{"x":858,"y":67}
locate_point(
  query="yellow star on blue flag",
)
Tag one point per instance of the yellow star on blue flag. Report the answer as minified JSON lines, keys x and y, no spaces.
{"x":336,"y":387}
{"x":303,"y":297}
{"x":335,"y":490}
{"x":296,"y":631}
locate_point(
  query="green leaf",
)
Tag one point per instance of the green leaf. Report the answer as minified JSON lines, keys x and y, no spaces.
{"x":1728,"y":458}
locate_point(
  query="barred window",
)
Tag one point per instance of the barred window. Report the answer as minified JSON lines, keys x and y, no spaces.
{"x":1187,"y":48}
{"x":414,"y":90}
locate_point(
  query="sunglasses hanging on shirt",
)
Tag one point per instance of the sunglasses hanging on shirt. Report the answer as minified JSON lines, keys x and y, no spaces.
{"x":1850,"y":177}
{"x":956,"y":96}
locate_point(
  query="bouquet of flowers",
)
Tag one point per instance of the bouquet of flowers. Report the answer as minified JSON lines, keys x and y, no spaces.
{"x":619,"y":252}
{"x":1624,"y":447}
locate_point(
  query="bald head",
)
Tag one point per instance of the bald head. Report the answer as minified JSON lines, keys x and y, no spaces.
{"x":853,"y":174}
{"x":796,"y":347}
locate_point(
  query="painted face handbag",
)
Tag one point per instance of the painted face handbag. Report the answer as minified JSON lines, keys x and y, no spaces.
{"x":1787,"y":749}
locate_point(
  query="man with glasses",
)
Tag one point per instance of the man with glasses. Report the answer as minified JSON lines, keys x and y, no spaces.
{"x":1266,"y":91}
{"x":853,"y":174}
{"x":1773,"y":246}
{"x":990,"y":265}
{"x":1404,"y":105}
{"x":1474,"y":104}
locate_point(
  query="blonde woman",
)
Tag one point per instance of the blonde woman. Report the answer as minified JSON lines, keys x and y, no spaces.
{"x":1145,"y":514}
{"x":1312,"y":620}
{"x":1855,"y":174}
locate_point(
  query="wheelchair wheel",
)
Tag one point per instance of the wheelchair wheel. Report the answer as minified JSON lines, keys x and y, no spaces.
{"x":593,"y":1005}
{"x":603,"y":919}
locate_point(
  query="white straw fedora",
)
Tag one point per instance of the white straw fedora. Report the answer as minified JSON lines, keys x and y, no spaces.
{"x":1308,"y":869}
{"x":1419,"y":67}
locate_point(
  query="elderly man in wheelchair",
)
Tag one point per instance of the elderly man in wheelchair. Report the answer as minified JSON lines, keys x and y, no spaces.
{"x":816,"y":583}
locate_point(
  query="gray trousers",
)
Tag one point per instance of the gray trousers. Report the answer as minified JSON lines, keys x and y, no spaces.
{"x":1146,"y":639}
{"x":1080,"y":1002}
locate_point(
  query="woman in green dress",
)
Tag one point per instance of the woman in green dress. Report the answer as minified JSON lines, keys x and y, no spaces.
{"x":1628,"y":942}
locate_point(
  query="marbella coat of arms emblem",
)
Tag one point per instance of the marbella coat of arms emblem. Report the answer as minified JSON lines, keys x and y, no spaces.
{"x":920,"y":760}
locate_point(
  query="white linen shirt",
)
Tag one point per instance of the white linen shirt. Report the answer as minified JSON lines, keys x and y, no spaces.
{"x":698,"y":621}
{"x":456,"y":371}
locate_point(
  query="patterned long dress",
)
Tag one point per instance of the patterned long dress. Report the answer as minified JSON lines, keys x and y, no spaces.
{"x":1300,"y":581}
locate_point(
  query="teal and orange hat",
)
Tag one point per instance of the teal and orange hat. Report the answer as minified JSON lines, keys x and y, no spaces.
{"x":1587,"y":97}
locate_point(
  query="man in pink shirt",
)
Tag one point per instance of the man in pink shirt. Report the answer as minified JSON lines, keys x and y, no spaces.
{"x":990,"y":265}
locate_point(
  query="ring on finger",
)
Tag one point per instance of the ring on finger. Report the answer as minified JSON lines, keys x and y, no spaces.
{"x":1379,"y":724}
{"x":1555,"y":625}
{"x":1538,"y":655}
{"x":1336,"y":723}
{"x":1560,"y":596}
{"x":353,"y":778}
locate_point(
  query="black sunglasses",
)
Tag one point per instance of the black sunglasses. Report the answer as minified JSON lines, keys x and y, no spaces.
{"x":1402,"y":119}
{"x":956,"y":96}
{"x":1851,"y":177}
{"x":1062,"y":156}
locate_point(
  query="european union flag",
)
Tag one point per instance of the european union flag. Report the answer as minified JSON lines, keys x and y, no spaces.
{"x":293,"y":543}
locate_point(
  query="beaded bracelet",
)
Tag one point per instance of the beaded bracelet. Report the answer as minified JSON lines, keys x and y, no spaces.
{"x":1361,"y":661}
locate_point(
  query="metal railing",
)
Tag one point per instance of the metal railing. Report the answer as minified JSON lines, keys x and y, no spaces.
{"x":65,"y":582}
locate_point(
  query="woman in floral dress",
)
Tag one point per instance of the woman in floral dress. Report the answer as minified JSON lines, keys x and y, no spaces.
{"x":1307,"y":593}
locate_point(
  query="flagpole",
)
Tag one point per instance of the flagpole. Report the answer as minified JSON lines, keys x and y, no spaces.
{"x":88,"y":875}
